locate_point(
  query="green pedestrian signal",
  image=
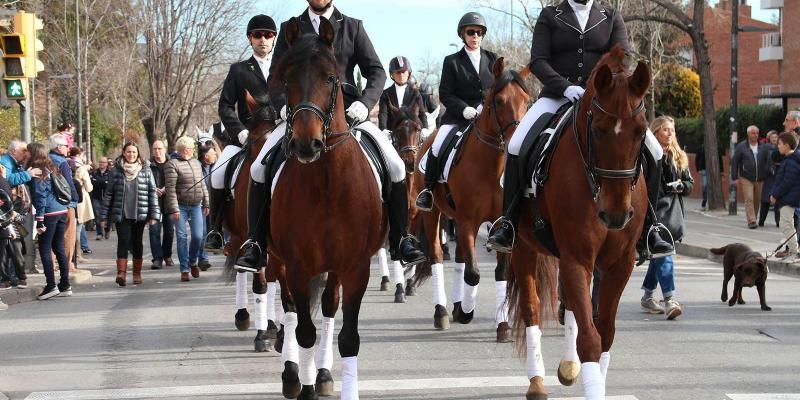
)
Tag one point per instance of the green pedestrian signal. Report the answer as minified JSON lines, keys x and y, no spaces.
{"x":15,"y":89}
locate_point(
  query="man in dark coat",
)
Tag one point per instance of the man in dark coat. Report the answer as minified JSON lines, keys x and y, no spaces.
{"x":400,"y":94}
{"x":163,"y":231}
{"x":352,"y":47}
{"x":245,"y":76}
{"x":751,"y":163}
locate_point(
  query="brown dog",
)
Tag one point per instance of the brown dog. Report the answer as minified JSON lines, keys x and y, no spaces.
{"x":749,"y":267}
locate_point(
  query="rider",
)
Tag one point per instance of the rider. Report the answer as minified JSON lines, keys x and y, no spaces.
{"x":401,"y":94}
{"x":466,"y":75}
{"x":568,"y":41}
{"x":250,"y":75}
{"x":352,"y":47}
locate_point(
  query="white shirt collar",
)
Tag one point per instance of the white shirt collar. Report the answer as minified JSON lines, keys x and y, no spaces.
{"x":577,"y":7}
{"x":474,"y":57}
{"x":312,"y":16}
{"x":266,"y":59}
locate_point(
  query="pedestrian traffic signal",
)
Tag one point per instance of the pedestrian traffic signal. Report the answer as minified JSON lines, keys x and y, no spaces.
{"x":13,"y":55}
{"x":28,"y":26}
{"x":16,"y":89}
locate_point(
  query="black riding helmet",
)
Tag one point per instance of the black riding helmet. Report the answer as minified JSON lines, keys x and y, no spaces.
{"x":261,"y":22}
{"x":399,"y":64}
{"x":426,"y":89}
{"x":471,"y":18}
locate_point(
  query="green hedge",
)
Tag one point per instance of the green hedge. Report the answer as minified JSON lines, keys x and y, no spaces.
{"x":766,"y":118}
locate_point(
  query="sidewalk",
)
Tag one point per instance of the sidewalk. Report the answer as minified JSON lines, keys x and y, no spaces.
{"x":709,"y":229}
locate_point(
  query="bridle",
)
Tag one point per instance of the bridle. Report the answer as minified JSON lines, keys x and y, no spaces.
{"x":411,"y":148}
{"x":498,"y":142}
{"x":325,"y":116}
{"x":593,"y":173}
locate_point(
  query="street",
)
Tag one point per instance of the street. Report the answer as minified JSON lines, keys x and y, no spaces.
{"x":173,"y":340}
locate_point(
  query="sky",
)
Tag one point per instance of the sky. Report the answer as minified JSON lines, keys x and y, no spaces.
{"x":418,"y":29}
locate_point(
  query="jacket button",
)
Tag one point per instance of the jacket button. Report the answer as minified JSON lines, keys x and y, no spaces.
{"x":580,"y":50}
{"x":580,"y":65}
{"x":580,"y":37}
{"x":580,"y":78}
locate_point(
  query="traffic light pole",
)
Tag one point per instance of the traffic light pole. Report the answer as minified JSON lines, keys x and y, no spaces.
{"x":24,"y":120}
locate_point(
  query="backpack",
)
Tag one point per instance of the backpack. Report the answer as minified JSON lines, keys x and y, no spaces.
{"x":61,"y":189}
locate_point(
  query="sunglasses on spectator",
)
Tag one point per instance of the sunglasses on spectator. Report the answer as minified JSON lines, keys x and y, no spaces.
{"x":474,"y":32}
{"x":262,"y":34}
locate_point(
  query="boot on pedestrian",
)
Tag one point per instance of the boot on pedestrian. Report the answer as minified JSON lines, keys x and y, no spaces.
{"x":122,"y":270}
{"x":137,"y":272}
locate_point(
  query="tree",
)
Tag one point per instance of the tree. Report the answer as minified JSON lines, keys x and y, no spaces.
{"x":677,"y":92}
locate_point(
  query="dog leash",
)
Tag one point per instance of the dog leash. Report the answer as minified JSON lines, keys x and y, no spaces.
{"x":777,"y":249}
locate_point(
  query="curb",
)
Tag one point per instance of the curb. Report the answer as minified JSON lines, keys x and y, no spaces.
{"x":17,"y":296}
{"x":775,"y":266}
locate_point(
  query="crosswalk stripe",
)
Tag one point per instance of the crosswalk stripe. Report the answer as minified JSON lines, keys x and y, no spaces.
{"x":765,"y":396}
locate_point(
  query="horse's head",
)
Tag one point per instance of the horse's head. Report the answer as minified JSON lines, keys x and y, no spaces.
{"x":406,"y":133}
{"x":612,"y":116}
{"x":310,"y":76}
{"x":262,"y":120}
{"x":505,"y":104}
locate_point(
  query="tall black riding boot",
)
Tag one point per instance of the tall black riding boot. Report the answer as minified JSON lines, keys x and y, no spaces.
{"x":425,"y":198}
{"x":501,"y":238}
{"x":258,"y":202}
{"x":214,"y":239}
{"x":652,"y":238}
{"x":402,"y":246}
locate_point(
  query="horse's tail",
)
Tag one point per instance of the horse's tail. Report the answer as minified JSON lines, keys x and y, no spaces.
{"x":547,"y":290}
{"x":718,"y":251}
{"x":230,"y":272}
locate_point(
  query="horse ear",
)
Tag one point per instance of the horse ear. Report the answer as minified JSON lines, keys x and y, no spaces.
{"x":639,"y":82}
{"x":525,"y":72}
{"x":326,"y":32}
{"x":292,"y":31}
{"x":603,"y":79}
{"x":251,"y":102}
{"x":499,"y":67}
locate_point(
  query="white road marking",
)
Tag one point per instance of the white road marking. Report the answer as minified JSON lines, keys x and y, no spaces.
{"x":765,"y":396}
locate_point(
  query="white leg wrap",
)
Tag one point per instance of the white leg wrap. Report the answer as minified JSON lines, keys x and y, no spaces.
{"x":500,"y":304}
{"x":594,"y":387}
{"x":290,"y":346}
{"x":470,"y":294}
{"x":570,"y":337}
{"x":457,"y":292}
{"x":349,"y":378}
{"x":280,"y":316}
{"x":325,"y":351}
{"x":272,"y":287}
{"x":382,"y":262}
{"x":241,"y":290}
{"x":261,"y":312}
{"x":439,"y":295}
{"x":399,"y":273}
{"x":533,"y":340}
{"x":308,"y":370}
{"x":412,"y":271}
{"x":605,"y":359}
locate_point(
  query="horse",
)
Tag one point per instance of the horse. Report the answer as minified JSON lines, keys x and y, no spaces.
{"x":593,"y":225}
{"x":326,"y":212}
{"x":477,"y":197}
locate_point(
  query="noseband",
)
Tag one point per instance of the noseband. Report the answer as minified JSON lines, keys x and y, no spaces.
{"x":325,"y":116}
{"x":408,"y":148}
{"x":593,"y":173}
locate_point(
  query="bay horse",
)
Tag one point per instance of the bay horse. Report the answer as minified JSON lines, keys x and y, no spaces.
{"x":326,"y":211}
{"x":474,"y":184}
{"x":594,"y":225}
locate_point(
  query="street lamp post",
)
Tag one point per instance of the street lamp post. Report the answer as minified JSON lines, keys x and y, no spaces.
{"x":734,"y":95}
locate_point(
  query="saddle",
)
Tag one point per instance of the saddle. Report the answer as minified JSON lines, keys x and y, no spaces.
{"x":450,"y":152}
{"x":233,"y":170}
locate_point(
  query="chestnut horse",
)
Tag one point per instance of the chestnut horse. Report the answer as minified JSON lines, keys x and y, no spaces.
{"x":326,"y":211}
{"x":474,"y":184}
{"x":594,"y":225}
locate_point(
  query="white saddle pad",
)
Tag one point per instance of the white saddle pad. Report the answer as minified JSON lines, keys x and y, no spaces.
{"x":448,"y":163}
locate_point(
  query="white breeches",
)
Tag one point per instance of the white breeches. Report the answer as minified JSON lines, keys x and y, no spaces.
{"x":397,"y":169}
{"x":444,"y":130}
{"x":218,"y":175}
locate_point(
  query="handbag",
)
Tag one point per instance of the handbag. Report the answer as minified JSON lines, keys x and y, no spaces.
{"x":61,"y":188}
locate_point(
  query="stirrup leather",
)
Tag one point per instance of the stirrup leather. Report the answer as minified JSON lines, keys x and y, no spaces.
{"x":659,"y":227}
{"x":495,"y":227}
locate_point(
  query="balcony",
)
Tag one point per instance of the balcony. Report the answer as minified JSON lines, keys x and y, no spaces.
{"x":770,"y":90}
{"x":771,"y":4}
{"x":771,"y":47}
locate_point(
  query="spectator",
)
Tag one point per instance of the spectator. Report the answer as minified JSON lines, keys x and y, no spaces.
{"x":99,"y":180}
{"x":130,"y":202}
{"x":676,"y":181}
{"x":208,"y":157}
{"x":187,"y":202}
{"x":59,"y":151}
{"x":6,"y":232}
{"x":792,"y":122}
{"x":786,"y":191}
{"x":16,"y":156}
{"x":67,"y":130}
{"x":769,"y":178}
{"x":51,"y":218}
{"x":163,"y":231}
{"x":750,"y":163}
{"x":15,"y":223}
{"x":84,"y":212}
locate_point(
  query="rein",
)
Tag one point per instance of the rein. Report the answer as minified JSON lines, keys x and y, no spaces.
{"x":498,"y":142}
{"x":593,"y":173}
{"x":411,"y":148}
{"x":325,"y":116}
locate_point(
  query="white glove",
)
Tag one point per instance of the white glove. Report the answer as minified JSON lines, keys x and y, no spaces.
{"x":243,"y":136}
{"x":358,"y":111}
{"x":469,"y":113}
{"x":387,"y":132}
{"x":425,"y":132}
{"x":574,"y":93}
{"x":283,"y":112}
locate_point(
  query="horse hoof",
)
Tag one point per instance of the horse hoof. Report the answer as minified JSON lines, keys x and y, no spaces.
{"x":279,"y":340}
{"x":441,"y":321}
{"x":411,"y":290}
{"x":504,"y":333}
{"x":291,"y":381}
{"x":261,"y":343}
{"x":324,"y":384}
{"x":456,"y":311}
{"x":568,"y":372}
{"x":272,"y":330}
{"x":384,"y":284}
{"x":460,"y":316}
{"x":536,"y":389}
{"x":242,"y":319}
{"x":308,"y":393}
{"x":399,"y":294}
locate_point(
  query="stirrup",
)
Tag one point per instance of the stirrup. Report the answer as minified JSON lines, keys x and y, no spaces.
{"x":416,"y":201}
{"x":242,"y":268}
{"x":417,"y":244}
{"x":493,"y":229}
{"x":213,"y":233}
{"x":659,"y":227}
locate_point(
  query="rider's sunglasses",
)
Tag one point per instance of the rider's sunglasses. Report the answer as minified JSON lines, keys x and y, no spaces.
{"x":262,"y":34}
{"x":474,"y":32}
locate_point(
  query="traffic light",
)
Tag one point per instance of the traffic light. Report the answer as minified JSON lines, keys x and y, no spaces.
{"x":16,"y":88}
{"x":13,"y":55}
{"x":28,"y":26}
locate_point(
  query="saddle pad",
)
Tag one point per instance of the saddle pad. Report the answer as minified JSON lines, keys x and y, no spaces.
{"x":233,"y":170}
{"x":538,"y":152}
{"x":451,"y":148}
